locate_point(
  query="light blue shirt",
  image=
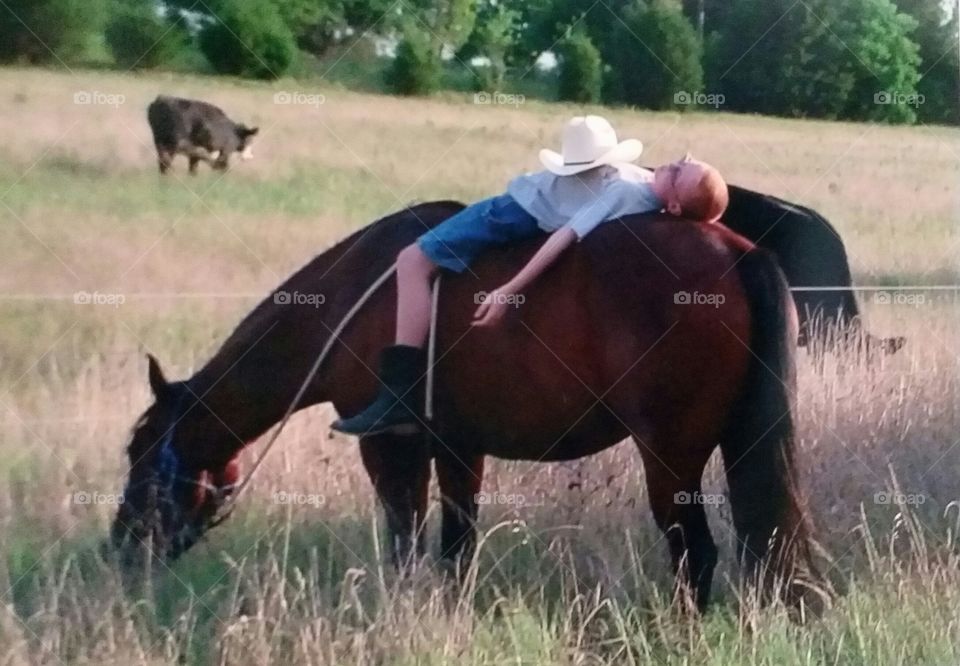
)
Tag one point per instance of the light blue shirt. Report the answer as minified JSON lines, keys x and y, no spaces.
{"x":584,"y":200}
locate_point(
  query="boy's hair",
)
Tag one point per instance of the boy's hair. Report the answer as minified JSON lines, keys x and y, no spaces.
{"x":711,"y":198}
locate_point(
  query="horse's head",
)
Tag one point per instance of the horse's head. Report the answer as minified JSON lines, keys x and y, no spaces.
{"x":174,"y":491}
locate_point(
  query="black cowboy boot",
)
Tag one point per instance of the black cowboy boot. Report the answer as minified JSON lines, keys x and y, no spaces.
{"x":396,"y":409}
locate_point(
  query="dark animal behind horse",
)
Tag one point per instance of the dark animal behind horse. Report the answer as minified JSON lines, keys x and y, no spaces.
{"x":811,"y":254}
{"x":605,"y":347}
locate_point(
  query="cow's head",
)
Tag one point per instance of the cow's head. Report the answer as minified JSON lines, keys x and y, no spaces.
{"x":245,"y":139}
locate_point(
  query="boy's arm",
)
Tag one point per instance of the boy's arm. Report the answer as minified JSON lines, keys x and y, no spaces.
{"x":495,"y":306}
{"x":554,"y":246}
{"x":586,"y":220}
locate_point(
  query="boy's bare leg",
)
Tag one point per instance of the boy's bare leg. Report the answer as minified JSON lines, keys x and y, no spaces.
{"x":414,"y":270}
{"x":395,"y":409}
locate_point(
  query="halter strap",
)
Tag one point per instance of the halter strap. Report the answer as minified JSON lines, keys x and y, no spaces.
{"x":168,"y":461}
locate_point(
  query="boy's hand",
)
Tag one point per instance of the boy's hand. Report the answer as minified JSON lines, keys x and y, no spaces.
{"x":510,"y":294}
{"x":494,"y":307}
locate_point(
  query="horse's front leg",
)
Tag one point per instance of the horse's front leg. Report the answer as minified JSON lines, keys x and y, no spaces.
{"x":460,"y":477}
{"x":399,"y":468}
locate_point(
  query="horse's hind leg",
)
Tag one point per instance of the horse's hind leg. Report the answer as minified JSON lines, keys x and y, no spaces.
{"x":460,"y":477}
{"x":673,"y":484}
{"x":399,"y":468}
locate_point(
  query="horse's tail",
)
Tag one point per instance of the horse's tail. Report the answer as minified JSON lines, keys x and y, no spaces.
{"x":759,"y":443}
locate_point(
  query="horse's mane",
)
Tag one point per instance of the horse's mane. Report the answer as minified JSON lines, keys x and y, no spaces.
{"x":372,"y":249}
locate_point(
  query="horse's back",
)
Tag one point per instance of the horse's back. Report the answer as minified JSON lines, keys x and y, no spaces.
{"x":642,"y":317}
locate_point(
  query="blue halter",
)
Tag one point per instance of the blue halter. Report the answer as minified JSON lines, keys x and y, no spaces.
{"x":168,"y":465}
{"x":168,"y":462}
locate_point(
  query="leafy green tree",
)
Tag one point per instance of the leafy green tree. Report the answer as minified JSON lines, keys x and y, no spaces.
{"x":495,"y":32}
{"x":654,"y":56}
{"x":545,"y":22}
{"x":548,"y":21}
{"x":49,"y":31}
{"x":939,"y":42}
{"x":581,"y":69}
{"x":362,"y":15}
{"x":817,"y":58}
{"x":745,"y":52}
{"x":314,"y":23}
{"x":814,"y":75}
{"x":710,"y":11}
{"x":140,"y":37}
{"x":446,"y":23}
{"x":885,"y":74}
{"x":248,"y":38}
{"x":416,"y":68}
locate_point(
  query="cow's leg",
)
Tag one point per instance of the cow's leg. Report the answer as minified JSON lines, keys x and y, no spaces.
{"x":399,"y":468}
{"x":460,"y":477}
{"x":164,"y":158}
{"x":673,"y":484}
{"x":194,"y":161}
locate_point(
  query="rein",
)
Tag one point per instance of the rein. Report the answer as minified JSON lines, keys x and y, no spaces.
{"x":231,"y":501}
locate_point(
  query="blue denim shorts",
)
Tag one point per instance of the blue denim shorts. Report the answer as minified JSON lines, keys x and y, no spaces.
{"x":456,"y":242}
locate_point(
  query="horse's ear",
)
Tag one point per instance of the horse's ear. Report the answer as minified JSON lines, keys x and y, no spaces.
{"x":158,"y":383}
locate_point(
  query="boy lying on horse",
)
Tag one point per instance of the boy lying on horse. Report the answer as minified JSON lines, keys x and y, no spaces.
{"x":592,"y":180}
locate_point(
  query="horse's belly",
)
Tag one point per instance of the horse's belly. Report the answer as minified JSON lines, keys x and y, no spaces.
{"x":563,"y":435}
{"x":565,"y":448}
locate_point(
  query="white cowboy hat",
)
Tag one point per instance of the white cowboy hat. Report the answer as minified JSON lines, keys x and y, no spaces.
{"x":588,"y":142}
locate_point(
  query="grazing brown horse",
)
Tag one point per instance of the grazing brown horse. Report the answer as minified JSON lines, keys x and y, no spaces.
{"x":679,"y":335}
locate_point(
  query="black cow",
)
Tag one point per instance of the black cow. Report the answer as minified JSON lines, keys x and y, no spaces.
{"x":198,"y":130}
{"x":811,"y":254}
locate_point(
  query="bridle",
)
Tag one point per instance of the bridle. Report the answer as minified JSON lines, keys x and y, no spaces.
{"x":167,"y":470}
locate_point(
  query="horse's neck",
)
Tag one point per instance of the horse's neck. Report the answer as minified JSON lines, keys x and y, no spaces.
{"x":254,"y":377}
{"x":252,"y":380}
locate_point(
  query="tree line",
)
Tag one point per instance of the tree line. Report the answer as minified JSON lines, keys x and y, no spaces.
{"x":881,"y":60}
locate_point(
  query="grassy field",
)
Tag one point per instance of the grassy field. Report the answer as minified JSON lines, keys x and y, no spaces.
{"x":579,"y":579}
